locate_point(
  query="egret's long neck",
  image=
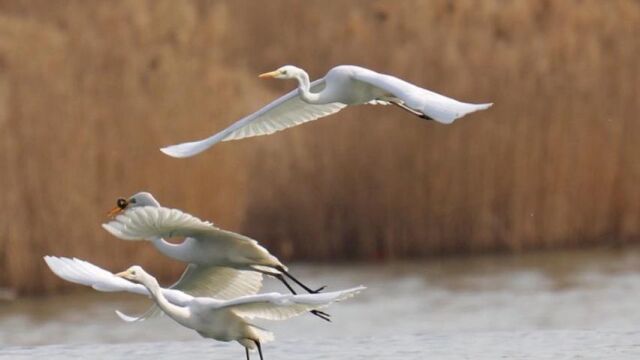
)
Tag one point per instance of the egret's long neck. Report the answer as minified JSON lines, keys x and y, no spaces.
{"x":176,"y":251}
{"x":304,"y":89}
{"x":178,"y":313}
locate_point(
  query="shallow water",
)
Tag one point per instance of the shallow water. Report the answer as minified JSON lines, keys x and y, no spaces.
{"x":556,"y":306}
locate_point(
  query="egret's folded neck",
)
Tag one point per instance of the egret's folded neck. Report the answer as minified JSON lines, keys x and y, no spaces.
{"x":304,"y":89}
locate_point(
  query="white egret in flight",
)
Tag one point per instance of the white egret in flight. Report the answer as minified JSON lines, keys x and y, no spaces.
{"x":343,"y":85}
{"x":222,"y":320}
{"x":141,"y":217}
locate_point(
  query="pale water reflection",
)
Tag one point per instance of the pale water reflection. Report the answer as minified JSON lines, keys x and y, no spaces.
{"x":561,"y":305}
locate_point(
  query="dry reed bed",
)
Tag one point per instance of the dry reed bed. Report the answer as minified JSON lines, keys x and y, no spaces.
{"x":90,"y":90}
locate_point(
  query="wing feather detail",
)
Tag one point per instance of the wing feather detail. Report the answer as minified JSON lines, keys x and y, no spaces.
{"x":276,"y":306}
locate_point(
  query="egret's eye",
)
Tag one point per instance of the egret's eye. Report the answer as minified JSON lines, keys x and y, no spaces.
{"x":133,"y":201}
{"x":133,"y":272}
{"x":284,"y":72}
{"x":122,"y":203}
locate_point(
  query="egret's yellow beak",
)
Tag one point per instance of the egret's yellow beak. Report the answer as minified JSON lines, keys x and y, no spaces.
{"x":115,"y":211}
{"x":269,"y":74}
{"x":122,"y":274}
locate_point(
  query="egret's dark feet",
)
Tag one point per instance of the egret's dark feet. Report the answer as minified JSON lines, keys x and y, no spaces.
{"x":322,"y":315}
{"x":318,"y":290}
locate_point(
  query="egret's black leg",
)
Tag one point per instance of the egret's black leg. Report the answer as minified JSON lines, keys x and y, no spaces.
{"x":246,"y":351}
{"x":406,"y":108}
{"x":286,"y":273}
{"x":284,"y":281}
{"x":259,"y":349}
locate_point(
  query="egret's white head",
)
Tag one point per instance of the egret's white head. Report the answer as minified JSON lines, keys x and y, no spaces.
{"x":134,"y":273}
{"x":140,"y":199}
{"x":285,"y":72}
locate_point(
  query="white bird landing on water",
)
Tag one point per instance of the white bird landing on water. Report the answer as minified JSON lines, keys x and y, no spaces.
{"x":223,"y":320}
{"x":343,"y":85}
{"x":142,"y":218}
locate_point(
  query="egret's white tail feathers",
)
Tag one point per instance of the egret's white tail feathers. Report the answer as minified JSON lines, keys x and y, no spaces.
{"x":440,"y":108}
{"x":447,"y":110}
{"x":263,"y":335}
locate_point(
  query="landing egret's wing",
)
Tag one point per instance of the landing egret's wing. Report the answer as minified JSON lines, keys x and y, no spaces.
{"x":285,"y":112}
{"x":274,"y":306}
{"x":84,"y":273}
{"x":208,"y":281}
{"x":218,"y":282}
{"x":438,"y":107}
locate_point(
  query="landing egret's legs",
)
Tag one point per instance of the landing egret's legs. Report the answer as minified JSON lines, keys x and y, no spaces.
{"x":286,"y":273}
{"x":259,"y":349}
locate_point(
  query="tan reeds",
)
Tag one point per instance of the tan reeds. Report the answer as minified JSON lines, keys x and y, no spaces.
{"x":90,"y":90}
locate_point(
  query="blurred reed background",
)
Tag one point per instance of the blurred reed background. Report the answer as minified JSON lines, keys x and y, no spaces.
{"x":89,"y":91}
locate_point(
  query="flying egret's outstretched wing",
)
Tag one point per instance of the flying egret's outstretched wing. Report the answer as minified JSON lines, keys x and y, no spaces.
{"x":438,"y":107}
{"x":274,"y":306}
{"x":84,"y":273}
{"x":287,"y":111}
{"x":209,"y":281}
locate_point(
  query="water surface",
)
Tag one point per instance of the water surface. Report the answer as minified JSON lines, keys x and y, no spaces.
{"x":556,"y":306}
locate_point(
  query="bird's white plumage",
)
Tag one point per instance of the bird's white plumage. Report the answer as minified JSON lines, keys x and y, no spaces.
{"x":220,"y":282}
{"x":148,"y":222}
{"x":84,"y":273}
{"x":440,"y":108}
{"x":281,"y":307}
{"x":223,"y":320}
{"x":287,"y":111}
{"x":144,"y":222}
{"x":211,"y":281}
{"x":343,"y":85}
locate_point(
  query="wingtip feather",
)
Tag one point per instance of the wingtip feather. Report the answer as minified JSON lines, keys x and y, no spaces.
{"x":127,"y":318}
{"x":174,"y":151}
{"x":188,"y":149}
